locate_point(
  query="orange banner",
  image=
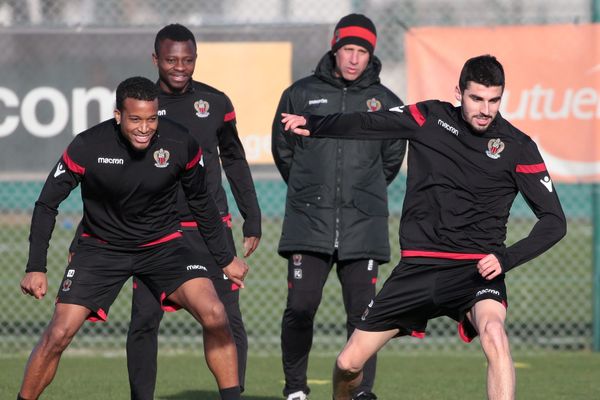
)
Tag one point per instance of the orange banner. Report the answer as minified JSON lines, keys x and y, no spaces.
{"x":253,"y":75}
{"x":552,"y":84}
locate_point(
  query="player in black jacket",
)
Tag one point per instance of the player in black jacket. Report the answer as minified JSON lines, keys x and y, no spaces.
{"x":465,"y":167}
{"x":130,"y":170}
{"x":210,"y":118}
{"x":336,"y":209}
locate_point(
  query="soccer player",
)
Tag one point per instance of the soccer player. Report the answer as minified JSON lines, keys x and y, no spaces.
{"x":336,"y":207}
{"x":465,"y":167}
{"x":130,"y":169}
{"x":210,"y":118}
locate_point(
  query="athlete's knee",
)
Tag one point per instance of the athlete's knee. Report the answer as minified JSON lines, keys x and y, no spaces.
{"x":302,"y":309}
{"x":57,"y":338}
{"x":348,"y":365}
{"x":214,"y":316}
{"x":494,"y":339}
{"x":147,"y":320}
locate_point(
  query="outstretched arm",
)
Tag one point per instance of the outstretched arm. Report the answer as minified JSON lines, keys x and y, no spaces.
{"x":401,"y":123}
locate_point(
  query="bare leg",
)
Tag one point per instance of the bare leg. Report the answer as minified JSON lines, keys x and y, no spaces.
{"x":347,"y":373}
{"x":43,"y":361}
{"x":488,"y":316}
{"x":200,"y":299}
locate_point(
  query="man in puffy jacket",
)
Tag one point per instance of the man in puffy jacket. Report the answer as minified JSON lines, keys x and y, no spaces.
{"x":336,"y":208}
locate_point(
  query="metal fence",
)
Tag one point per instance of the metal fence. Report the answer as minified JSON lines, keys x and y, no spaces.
{"x":550,"y":298}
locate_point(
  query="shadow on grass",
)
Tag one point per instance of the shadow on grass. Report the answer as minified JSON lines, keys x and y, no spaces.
{"x":210,"y":395}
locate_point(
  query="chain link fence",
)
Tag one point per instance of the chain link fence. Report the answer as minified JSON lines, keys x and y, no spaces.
{"x":550,"y":298}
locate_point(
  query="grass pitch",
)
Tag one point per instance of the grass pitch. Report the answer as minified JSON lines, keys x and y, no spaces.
{"x":426,"y":376}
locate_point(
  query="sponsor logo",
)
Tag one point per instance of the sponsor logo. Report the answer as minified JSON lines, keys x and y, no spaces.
{"x":317,"y":101}
{"x":225,"y":278}
{"x":66,"y":285}
{"x":370,"y":265}
{"x":448,"y":127}
{"x":547,"y":182}
{"x":70,"y":273}
{"x":201,"y":108}
{"x":495,"y":147}
{"x":297,"y":260}
{"x":107,"y":160}
{"x":297,"y":273}
{"x":162,"y":158}
{"x":59,"y":170}
{"x":201,"y":162}
{"x":399,"y":109}
{"x":487,"y":291}
{"x":196,"y":267}
{"x":161,"y":113}
{"x":373,"y":105}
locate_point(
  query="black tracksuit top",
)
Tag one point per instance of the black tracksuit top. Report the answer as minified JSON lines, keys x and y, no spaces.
{"x":209,"y":117}
{"x":129,"y":196}
{"x":460,"y":184}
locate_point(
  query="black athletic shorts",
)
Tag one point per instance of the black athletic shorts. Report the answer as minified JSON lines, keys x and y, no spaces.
{"x":98,"y":271}
{"x":415,"y":293}
{"x":195,"y":240}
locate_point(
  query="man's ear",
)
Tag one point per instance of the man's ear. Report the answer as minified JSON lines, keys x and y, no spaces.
{"x":457,"y":93}
{"x":117,"y":115}
{"x":154,"y":59}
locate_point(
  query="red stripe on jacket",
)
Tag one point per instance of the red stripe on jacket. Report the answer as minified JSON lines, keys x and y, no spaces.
{"x":439,"y":254}
{"x":414,"y":111}
{"x":72,"y":165}
{"x":230,"y":116}
{"x":531,"y":168}
{"x":194,"y":161}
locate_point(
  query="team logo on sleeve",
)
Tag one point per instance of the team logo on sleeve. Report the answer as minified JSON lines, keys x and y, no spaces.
{"x":201,"y":108}
{"x":162,"y":158}
{"x":495,"y":147}
{"x":373,"y":105}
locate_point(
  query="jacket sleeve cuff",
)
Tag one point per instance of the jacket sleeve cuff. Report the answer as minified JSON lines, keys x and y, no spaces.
{"x":33,"y":268}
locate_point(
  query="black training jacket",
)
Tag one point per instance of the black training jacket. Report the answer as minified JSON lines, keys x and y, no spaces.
{"x":461,"y":184}
{"x":337,"y":189}
{"x":129,"y":196}
{"x":210,"y":118}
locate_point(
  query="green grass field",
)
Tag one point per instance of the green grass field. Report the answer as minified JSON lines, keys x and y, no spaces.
{"x":554,"y":376}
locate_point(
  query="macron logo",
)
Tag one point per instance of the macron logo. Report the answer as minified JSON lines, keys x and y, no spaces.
{"x":105,"y":160}
{"x":193,"y":267}
{"x":546,"y":181}
{"x":485,"y":291}
{"x":448,"y":127}
{"x":317,"y":101}
{"x":59,"y":170}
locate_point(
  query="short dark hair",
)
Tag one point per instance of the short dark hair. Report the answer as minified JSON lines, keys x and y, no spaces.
{"x":174,"y":32}
{"x":485,"y":70}
{"x":138,"y":88}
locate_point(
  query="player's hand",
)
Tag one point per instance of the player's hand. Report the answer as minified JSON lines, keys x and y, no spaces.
{"x":236,"y":271}
{"x":489,"y":267}
{"x":293,"y":123}
{"x":35,"y":284}
{"x":250,"y":244}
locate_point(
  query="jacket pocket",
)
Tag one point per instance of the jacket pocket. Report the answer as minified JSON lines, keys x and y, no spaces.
{"x":371,"y":200}
{"x":311,"y":196}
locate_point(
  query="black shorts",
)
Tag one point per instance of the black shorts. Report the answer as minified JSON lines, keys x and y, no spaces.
{"x":416,"y":293}
{"x":98,"y":271}
{"x":222,"y":284}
